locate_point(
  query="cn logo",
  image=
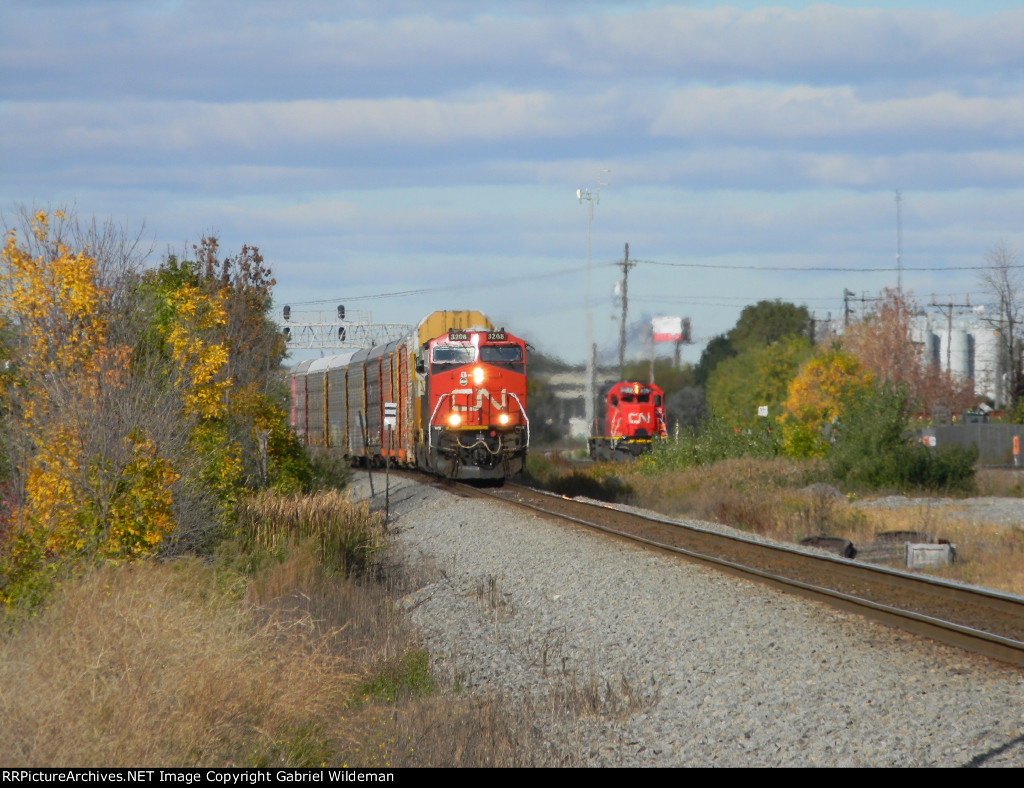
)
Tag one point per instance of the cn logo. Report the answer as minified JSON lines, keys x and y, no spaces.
{"x":480,"y":394}
{"x":639,"y":418}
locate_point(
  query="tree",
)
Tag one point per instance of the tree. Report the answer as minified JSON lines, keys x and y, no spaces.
{"x":873,"y":450}
{"x":759,"y":325}
{"x":717,"y":350}
{"x":88,"y":478}
{"x":817,"y":398}
{"x":758,"y":376}
{"x":256,"y":349}
{"x":1003,"y":282}
{"x":884,"y":344}
{"x":769,"y":321}
{"x":124,"y":424}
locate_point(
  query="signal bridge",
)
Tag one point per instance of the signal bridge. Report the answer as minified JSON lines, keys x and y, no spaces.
{"x":332,"y":331}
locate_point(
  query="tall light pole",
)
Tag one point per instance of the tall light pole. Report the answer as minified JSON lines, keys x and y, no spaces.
{"x":899,"y":243}
{"x":592,"y":199}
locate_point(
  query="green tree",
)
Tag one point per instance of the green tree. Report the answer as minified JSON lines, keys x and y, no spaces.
{"x":759,"y":325}
{"x":717,"y":350}
{"x":769,"y":321}
{"x":758,"y":376}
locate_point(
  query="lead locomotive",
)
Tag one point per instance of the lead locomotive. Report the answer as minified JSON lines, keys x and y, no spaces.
{"x":455,"y":384}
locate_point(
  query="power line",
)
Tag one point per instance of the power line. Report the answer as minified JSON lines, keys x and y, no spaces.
{"x":812,"y":268}
{"x":689,"y":298}
{"x":489,"y":285}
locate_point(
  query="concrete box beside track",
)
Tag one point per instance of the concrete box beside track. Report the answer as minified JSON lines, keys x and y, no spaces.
{"x":927,"y":556}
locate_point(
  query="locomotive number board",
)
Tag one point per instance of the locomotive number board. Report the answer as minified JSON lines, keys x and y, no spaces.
{"x":463,"y":336}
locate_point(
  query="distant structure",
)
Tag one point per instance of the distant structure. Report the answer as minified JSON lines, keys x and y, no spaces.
{"x":962,"y":339}
{"x":968,"y":346}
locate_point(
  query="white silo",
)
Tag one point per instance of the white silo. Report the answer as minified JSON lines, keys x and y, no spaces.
{"x":960,"y":353}
{"x":925,"y":339}
{"x":987,"y":364}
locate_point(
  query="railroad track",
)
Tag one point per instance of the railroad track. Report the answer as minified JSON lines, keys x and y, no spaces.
{"x":976,"y":619}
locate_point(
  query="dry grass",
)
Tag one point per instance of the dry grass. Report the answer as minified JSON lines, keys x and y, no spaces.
{"x":1000,"y":483}
{"x":789,"y":500}
{"x":159,"y":665}
{"x":193,"y":663}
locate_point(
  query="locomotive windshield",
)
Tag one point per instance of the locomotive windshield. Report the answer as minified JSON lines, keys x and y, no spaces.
{"x":444,"y":357}
{"x":504,"y":356}
{"x":454,"y":354}
{"x":492,"y":353}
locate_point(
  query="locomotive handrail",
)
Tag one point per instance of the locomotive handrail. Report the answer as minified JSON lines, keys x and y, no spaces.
{"x":430,"y":424}
{"x":523,"y":411}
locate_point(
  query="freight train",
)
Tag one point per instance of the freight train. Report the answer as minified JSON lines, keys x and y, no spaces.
{"x":634,"y":417}
{"x":449,"y":397}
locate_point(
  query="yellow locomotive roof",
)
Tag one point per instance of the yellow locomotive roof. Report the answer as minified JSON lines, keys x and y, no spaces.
{"x":437,"y":323}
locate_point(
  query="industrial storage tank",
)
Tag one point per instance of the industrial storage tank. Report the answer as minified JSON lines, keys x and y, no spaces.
{"x":960,"y":353}
{"x":988,"y":370}
{"x":926,"y":340}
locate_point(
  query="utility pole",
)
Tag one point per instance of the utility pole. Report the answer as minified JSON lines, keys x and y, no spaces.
{"x":948,"y":312}
{"x":626,"y":265}
{"x":847,"y":295}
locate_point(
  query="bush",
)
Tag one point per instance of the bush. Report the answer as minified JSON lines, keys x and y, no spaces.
{"x":873,"y":449}
{"x":711,"y":442}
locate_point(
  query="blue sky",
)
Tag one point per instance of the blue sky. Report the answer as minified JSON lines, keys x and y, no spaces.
{"x":371,"y":148}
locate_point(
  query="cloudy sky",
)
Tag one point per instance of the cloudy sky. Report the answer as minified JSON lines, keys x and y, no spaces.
{"x":401,"y":156}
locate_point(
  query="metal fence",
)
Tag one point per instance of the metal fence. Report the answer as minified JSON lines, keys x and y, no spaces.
{"x":995,"y":442}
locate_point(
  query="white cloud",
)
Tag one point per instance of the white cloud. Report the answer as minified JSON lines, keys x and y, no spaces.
{"x":399,"y":140}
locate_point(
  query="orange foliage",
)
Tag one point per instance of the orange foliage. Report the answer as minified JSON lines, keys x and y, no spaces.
{"x":883,"y":343}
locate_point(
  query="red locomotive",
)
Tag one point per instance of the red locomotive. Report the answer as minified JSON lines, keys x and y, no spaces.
{"x":449,"y":397}
{"x":634,"y":416}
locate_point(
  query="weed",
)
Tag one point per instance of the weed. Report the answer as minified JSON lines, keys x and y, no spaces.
{"x":405,"y":677}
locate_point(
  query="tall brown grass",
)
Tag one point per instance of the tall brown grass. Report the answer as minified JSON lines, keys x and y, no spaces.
{"x":158,"y":664}
{"x":349,"y":537}
{"x":789,"y":500}
{"x":267,"y":656}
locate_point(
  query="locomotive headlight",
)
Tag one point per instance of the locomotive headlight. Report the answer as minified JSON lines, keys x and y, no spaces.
{"x":454,"y":419}
{"x":503,"y":419}
{"x":478,"y":375}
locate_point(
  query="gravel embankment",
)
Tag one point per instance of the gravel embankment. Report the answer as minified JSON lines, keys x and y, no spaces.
{"x":705,"y":669}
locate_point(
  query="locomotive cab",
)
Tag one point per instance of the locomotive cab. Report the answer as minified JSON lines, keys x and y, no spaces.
{"x":634,"y":416}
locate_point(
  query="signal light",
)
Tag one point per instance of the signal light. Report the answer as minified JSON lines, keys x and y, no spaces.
{"x":454,"y":419}
{"x":503,"y":419}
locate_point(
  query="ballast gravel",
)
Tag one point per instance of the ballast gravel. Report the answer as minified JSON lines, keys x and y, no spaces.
{"x":643,"y":660}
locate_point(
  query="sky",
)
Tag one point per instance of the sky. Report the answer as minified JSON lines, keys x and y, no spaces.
{"x":399,"y":157}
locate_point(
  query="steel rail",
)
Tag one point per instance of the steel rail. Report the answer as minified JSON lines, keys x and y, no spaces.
{"x":992,"y":644}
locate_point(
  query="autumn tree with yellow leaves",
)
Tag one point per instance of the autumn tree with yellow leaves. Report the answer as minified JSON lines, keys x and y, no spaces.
{"x":121,"y":415}
{"x":817,"y":398}
{"x":86,"y":480}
